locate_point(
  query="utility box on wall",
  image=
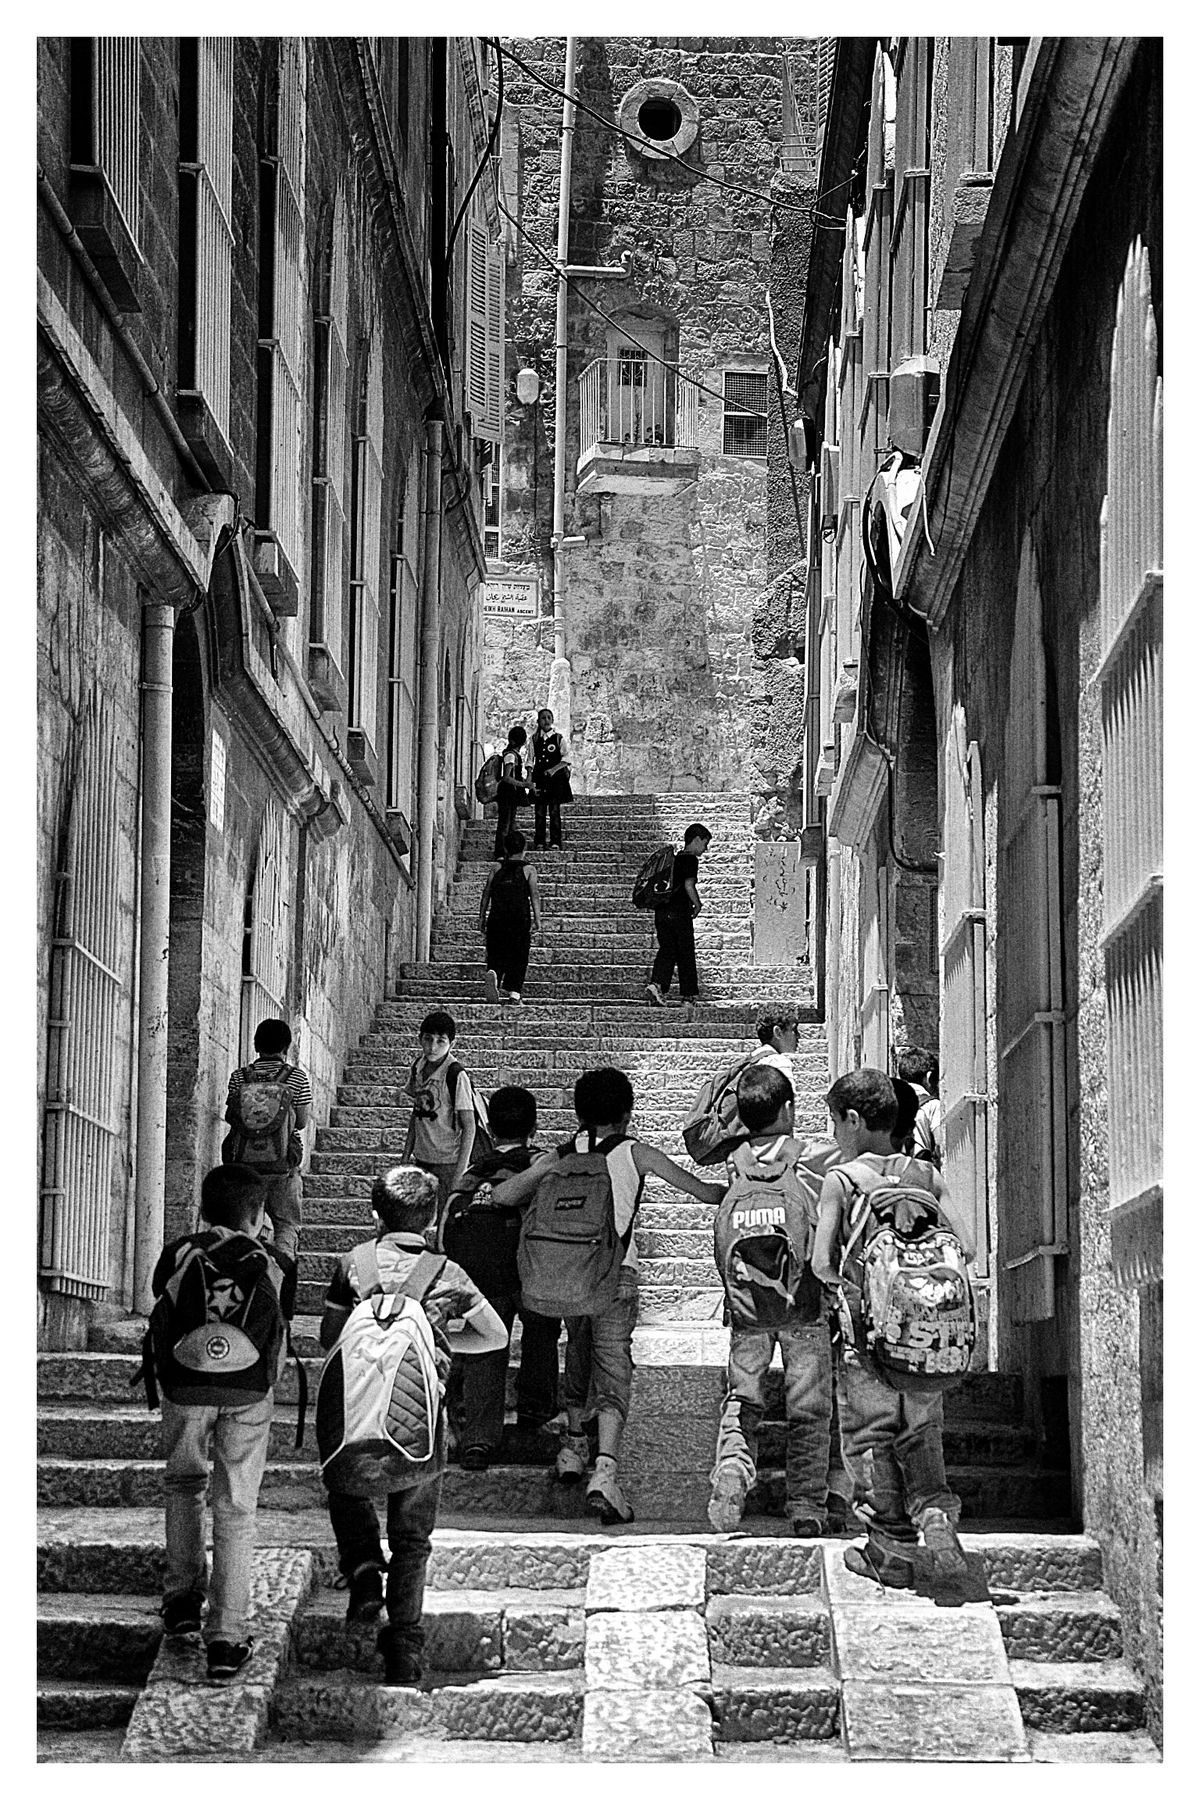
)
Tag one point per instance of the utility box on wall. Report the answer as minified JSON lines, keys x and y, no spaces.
{"x":780,"y":902}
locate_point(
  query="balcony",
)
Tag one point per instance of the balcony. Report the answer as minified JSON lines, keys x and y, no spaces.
{"x":638,"y":428}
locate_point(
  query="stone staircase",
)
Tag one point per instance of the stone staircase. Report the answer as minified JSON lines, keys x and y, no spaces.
{"x":549,"y":1638}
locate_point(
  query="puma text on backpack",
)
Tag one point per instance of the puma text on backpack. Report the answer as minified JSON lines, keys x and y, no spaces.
{"x":713,"y":1128}
{"x":379,"y":1398}
{"x":763,"y":1238}
{"x":655,"y":879}
{"x":487,"y":782}
{"x":216,"y":1329}
{"x":907,"y":1284}
{"x":264,"y":1121}
{"x":570,"y":1252}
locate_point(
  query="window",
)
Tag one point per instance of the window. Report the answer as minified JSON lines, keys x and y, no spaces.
{"x":963,"y":958}
{"x":910,"y":233}
{"x":266,"y":937}
{"x":365,"y":501}
{"x":1131,"y":704}
{"x":402,"y":659}
{"x":88,"y":1000}
{"x":744,"y":421}
{"x":279,"y":497}
{"x":206,"y":229}
{"x":492,"y":505}
{"x":329,"y":460}
{"x":484,"y":375}
{"x":106,"y":138}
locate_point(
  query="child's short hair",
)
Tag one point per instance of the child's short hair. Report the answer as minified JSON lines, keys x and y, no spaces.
{"x":907,"y":1103}
{"x":602,"y":1095}
{"x":512,"y":1113}
{"x":517,"y":736}
{"x":697,"y":830}
{"x":405,"y":1197}
{"x":869,"y":1093}
{"x":272,"y":1037}
{"x":778,"y":1015}
{"x":438,"y":1024}
{"x":762,"y":1094}
{"x":915,"y":1063}
{"x":514,"y":843}
{"x":232,"y":1195}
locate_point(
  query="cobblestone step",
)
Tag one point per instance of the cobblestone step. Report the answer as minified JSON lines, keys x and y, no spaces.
{"x":67,"y":1746}
{"x":772,"y":1706}
{"x":764,"y":1631}
{"x":475,"y":1631}
{"x":1078,"y":1696}
{"x":107,"y":1638}
{"x":80,"y":1706}
{"x":346,"y":1704}
{"x":1081,"y":1627}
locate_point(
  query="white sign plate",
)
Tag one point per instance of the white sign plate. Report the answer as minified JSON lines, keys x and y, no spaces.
{"x":511,"y":599}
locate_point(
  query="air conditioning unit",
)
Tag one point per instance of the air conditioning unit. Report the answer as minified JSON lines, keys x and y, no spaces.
{"x":830,"y":496}
{"x":914,"y":388}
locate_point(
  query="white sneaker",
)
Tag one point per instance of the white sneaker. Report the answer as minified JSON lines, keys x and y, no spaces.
{"x":604,"y":1494}
{"x":514,"y":998}
{"x":654,"y":995}
{"x":572,"y":1460}
{"x":687,"y":1012}
{"x":491,"y":986}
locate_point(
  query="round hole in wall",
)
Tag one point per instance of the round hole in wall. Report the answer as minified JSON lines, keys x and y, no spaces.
{"x":659,"y":118}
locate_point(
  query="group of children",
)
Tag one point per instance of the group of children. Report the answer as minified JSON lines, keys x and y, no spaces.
{"x":448,"y":1233}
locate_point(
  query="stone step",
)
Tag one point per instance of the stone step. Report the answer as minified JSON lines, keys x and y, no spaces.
{"x":444,"y":984}
{"x":83,"y":1563}
{"x":109,"y":1638}
{"x":1080,"y":1627}
{"x":346,"y":1704}
{"x":598,"y":930}
{"x":764,"y":1631}
{"x":1078,"y":1696}
{"x":66,"y":1746}
{"x":84,"y":1706}
{"x":1092,"y":1747}
{"x":659,"y":1302}
{"x":473,"y":1631}
{"x":569,"y":1020}
{"x":774,"y":1705}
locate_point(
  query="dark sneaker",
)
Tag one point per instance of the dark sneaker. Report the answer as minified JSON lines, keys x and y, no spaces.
{"x":838,"y":1517}
{"x":941,"y":1540}
{"x":225,"y":1660}
{"x":475,"y":1457}
{"x":877,"y":1566}
{"x":401,"y":1661}
{"x":807,"y":1528}
{"x":181,"y":1617}
{"x":366,"y":1596}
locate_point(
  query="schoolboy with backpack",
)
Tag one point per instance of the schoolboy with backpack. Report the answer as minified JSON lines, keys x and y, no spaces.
{"x":513,"y":787}
{"x":267,"y":1107}
{"x":677,"y":905}
{"x":891,"y":1245}
{"x":482,"y":1238}
{"x":714,"y":1127}
{"x":215,"y":1346}
{"x":578,"y":1260}
{"x":389,"y":1324}
{"x":448,"y":1122}
{"x":509,"y":912}
{"x":763,"y":1236}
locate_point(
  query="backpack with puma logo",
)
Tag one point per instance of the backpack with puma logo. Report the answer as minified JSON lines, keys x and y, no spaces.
{"x":263,"y":1119}
{"x":570,"y":1253}
{"x":906,"y":1281}
{"x":763,"y":1238}
{"x":379,"y":1400}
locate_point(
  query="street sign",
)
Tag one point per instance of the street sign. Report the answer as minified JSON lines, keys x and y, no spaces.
{"x":510,"y":597}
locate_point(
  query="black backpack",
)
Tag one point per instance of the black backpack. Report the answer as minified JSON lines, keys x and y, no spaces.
{"x":482,"y":1238}
{"x":655,"y":882}
{"x":510,"y":899}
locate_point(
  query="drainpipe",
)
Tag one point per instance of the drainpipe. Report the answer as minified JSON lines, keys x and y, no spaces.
{"x":427,"y":716}
{"x":158,"y":634}
{"x":560,"y":674}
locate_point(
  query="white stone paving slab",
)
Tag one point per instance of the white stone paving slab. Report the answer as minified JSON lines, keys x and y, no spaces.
{"x":955,"y":1644}
{"x":646,"y":1650}
{"x":650,"y":1727}
{"x":919,"y":1722}
{"x":646,"y":1578}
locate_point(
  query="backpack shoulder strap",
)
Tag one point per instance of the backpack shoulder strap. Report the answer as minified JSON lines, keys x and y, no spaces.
{"x":422,"y":1275}
{"x":365,"y":1261}
{"x":859,"y":1218}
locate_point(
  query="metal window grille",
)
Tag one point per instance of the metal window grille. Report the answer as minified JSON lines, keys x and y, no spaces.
{"x":365,"y":503}
{"x":288,"y":305}
{"x":266,"y":945}
{"x":116,"y":121}
{"x":87,"y":998}
{"x":744,"y":421}
{"x":214,"y":229}
{"x":1131,"y":698}
{"x":492,"y":508}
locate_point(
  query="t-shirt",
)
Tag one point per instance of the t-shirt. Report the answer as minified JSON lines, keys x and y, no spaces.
{"x":435,"y":1108}
{"x":686,"y":868}
{"x":452,"y":1296}
{"x":928,"y":1136}
{"x":777,"y":1059}
{"x":512,"y":776}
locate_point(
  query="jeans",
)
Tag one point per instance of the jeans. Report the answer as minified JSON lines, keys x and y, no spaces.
{"x":238,"y":1438}
{"x":808,"y":1390}
{"x":507,"y":809}
{"x":481,"y":1380}
{"x":540,"y":809}
{"x":893,"y":1446}
{"x":598,"y":1374}
{"x":676,"y":945}
{"x":284,"y":1205}
{"x":508,"y":952}
{"x":411,"y":1517}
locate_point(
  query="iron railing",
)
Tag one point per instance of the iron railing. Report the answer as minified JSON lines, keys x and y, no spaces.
{"x":632,"y":401}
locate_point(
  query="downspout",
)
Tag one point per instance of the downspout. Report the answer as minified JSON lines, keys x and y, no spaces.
{"x":427,"y":715}
{"x":559,"y":699}
{"x":158,"y":637}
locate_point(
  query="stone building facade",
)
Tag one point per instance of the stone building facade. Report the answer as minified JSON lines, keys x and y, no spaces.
{"x":984,"y":721}
{"x":684,"y":575}
{"x":265,"y":408}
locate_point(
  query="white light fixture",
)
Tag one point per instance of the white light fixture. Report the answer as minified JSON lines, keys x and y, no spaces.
{"x":528,"y":386}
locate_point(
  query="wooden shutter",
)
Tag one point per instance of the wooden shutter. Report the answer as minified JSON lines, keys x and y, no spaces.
{"x":490,"y":426}
{"x":476,"y":373}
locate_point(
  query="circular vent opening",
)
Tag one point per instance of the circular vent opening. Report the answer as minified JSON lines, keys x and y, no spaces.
{"x":659,"y":118}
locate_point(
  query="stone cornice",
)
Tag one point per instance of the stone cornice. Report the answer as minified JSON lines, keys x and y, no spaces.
{"x":1068,"y":99}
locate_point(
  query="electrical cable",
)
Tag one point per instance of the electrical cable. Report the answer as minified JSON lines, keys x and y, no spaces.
{"x":669,"y":155}
{"x":749,"y":412}
{"x":778,"y":364}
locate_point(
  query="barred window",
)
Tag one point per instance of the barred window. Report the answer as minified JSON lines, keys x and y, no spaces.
{"x":206,"y":229}
{"x":281,"y":343}
{"x":745,"y":414}
{"x":365,"y":504}
{"x":107,"y":135}
{"x":329,"y":449}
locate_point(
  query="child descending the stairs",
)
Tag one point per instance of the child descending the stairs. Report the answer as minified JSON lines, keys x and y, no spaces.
{"x":601,"y":1171}
{"x":482,"y":1239}
{"x":674,"y":925}
{"x":763,"y":1236}
{"x":404,"y":1201}
{"x":441,"y":1126}
{"x":509,"y":912}
{"x":892,"y":1440}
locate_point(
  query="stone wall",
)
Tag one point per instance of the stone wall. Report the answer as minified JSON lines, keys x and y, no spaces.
{"x":683,"y":625}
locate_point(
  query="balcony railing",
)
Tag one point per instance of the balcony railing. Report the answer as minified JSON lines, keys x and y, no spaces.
{"x":638,"y":404}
